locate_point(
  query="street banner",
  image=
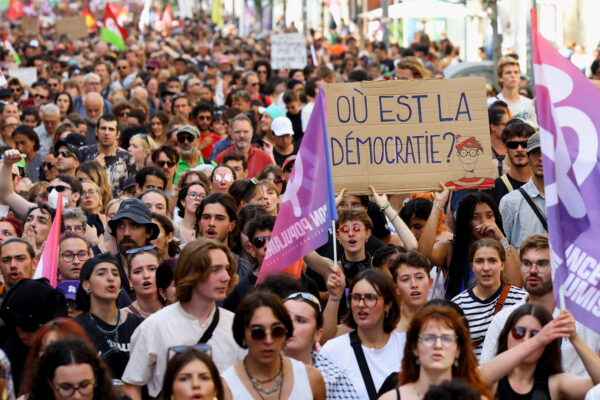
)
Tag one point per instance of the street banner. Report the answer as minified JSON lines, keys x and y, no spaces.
{"x":308,"y":206}
{"x":569,"y":129}
{"x":407,"y":136}
{"x":288,"y":50}
{"x":74,"y":27}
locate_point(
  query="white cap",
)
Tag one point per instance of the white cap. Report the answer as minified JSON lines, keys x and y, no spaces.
{"x":282,"y":126}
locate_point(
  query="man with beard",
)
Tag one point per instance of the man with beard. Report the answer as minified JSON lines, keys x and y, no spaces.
{"x":536,"y":274}
{"x":514,"y":136}
{"x":241,"y":134}
{"x":132,"y":228}
{"x":188,"y":136}
{"x":118,"y":163}
{"x":202,"y":115}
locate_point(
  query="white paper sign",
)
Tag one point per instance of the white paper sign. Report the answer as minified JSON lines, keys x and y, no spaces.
{"x":3,"y":80}
{"x":288,"y":50}
{"x":27,"y":75}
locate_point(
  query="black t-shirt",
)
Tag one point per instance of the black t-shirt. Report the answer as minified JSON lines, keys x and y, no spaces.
{"x":386,"y":65}
{"x":297,"y":127}
{"x":280,"y":158}
{"x":500,"y":189}
{"x":112,"y":344}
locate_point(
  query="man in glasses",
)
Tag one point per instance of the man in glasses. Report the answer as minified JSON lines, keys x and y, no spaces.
{"x":241,"y":135}
{"x":41,"y":94}
{"x":153,"y":67}
{"x":251,"y":84}
{"x":73,"y":252}
{"x":166,"y":159}
{"x":536,"y":275}
{"x":17,"y":90}
{"x":45,"y":131}
{"x":187,"y":137}
{"x":194,"y":319}
{"x":118,"y":163}
{"x":515,"y":134}
{"x":202,"y":115}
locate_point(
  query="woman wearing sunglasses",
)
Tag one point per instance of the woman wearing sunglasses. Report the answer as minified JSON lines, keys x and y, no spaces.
{"x":221,"y":178}
{"x":192,"y":374}
{"x":262,"y":325}
{"x":528,"y":364}
{"x":490,"y":293}
{"x":307,"y":318}
{"x":438,"y":348}
{"x":143,"y":263}
{"x":108,"y":328}
{"x":373,"y":350}
{"x":189,"y":198}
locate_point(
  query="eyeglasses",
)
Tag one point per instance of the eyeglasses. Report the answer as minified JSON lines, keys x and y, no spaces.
{"x":218,"y":178}
{"x":182,"y":349}
{"x":123,"y":67}
{"x":195,"y":196}
{"x":513,"y":145}
{"x":254,"y":84}
{"x":43,"y":196}
{"x":541,"y":264}
{"x":182,"y":138}
{"x":429,"y":339}
{"x":47,"y":165}
{"x":519,"y":332}
{"x":123,"y":114}
{"x":81,"y":255}
{"x":162,"y":164}
{"x":258,"y":333}
{"x":370,"y":299}
{"x":90,"y":192}
{"x":59,"y":188}
{"x":259,"y":241}
{"x":65,"y":154}
{"x":39,"y":96}
{"x":75,"y":228}
{"x":346,"y":228}
{"x":237,"y":168}
{"x":145,"y":248}
{"x":468,"y":152}
{"x":306,"y":296}
{"x":16,"y":90}
{"x":85,"y":388}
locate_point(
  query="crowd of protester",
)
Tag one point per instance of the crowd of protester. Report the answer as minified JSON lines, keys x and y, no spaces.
{"x":171,"y":158}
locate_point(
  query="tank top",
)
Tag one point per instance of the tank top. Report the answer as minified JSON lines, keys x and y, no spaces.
{"x":299,"y":390}
{"x":539,"y":389}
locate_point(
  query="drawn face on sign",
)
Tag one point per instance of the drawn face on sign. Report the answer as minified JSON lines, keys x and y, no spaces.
{"x":468,"y":151}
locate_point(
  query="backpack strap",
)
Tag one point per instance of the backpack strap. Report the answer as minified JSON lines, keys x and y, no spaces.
{"x":362,"y":364}
{"x":535,"y":209}
{"x":499,"y":305}
{"x":506,"y":181}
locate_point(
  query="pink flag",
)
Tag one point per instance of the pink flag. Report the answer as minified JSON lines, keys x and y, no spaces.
{"x":48,"y":265}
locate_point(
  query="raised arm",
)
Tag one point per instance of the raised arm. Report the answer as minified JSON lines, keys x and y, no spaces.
{"x":436,"y":254}
{"x":336,"y":283}
{"x":7,"y":192}
{"x":403,"y":232}
{"x":321,"y":265}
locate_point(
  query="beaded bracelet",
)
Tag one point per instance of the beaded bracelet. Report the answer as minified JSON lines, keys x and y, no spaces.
{"x":385,"y":206}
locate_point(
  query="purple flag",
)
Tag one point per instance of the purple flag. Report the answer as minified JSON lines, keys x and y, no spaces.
{"x":567,"y":105}
{"x":308,"y":206}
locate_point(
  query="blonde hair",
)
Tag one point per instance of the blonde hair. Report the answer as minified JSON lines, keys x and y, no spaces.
{"x":504,"y":61}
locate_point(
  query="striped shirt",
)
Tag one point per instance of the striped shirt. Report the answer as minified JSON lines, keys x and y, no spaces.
{"x":480,"y":313}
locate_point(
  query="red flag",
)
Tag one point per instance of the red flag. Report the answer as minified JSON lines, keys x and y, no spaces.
{"x":167,"y":18}
{"x":15,"y":10}
{"x":90,"y":21}
{"x":158,"y":26}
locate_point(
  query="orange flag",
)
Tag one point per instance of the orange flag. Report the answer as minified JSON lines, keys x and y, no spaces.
{"x":90,"y":21}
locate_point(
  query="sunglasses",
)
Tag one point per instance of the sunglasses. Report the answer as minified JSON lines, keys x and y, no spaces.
{"x":513,"y":145}
{"x":519,"y":332}
{"x":204,"y":347}
{"x":65,"y":154}
{"x":123,"y":114}
{"x":162,"y":164}
{"x":277,"y":180}
{"x":258,"y":333}
{"x":259,"y":241}
{"x":47,"y":165}
{"x":59,"y":189}
{"x":306,"y":296}
{"x":220,"y":178}
{"x":145,"y":248}
{"x":346,"y":229}
{"x":185,"y":138}
{"x":39,"y":96}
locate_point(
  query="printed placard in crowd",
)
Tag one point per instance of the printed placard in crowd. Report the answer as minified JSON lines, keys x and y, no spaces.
{"x":29,"y":24}
{"x":406,"y":136}
{"x":74,"y":27}
{"x":27,"y":75}
{"x":288,"y":50}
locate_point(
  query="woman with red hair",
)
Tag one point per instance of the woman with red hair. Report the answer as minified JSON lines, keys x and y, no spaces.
{"x":438,"y":348}
{"x":10,"y":227}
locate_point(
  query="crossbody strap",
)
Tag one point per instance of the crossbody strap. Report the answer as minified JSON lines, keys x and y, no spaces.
{"x":211,"y":328}
{"x":535,"y":209}
{"x":507,"y":183}
{"x":502,"y":298}
{"x":362,"y":364}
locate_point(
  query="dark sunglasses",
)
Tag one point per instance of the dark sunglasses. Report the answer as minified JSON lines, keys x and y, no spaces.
{"x":145,"y":248}
{"x":204,"y":117}
{"x":65,"y":154}
{"x":162,"y":164}
{"x":47,"y":165}
{"x":513,"y":145}
{"x":185,"y":138}
{"x":59,"y":188}
{"x":519,"y":332}
{"x":259,"y":241}
{"x":39,"y":96}
{"x":123,"y":114}
{"x":259,"y":333}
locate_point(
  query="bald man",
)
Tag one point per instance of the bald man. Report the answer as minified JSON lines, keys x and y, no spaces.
{"x":93,"y":108}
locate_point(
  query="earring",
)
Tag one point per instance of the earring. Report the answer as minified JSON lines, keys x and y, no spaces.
{"x":417,"y":361}
{"x":387,"y":313}
{"x":456,"y":362}
{"x":88,"y":291}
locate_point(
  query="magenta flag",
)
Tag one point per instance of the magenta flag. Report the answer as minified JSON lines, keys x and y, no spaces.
{"x":48,"y":265}
{"x":308,"y":206}
{"x":567,"y":106}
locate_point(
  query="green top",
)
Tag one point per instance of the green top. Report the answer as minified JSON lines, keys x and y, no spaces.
{"x":183,"y":166}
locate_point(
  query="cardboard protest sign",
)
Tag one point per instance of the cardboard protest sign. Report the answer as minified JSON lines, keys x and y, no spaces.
{"x":27,"y":75}
{"x":288,"y":50}
{"x":406,"y":136}
{"x":74,"y":27}
{"x":29,"y":24}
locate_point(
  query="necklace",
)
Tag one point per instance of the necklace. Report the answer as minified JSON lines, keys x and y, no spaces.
{"x":115,"y":331}
{"x":143,"y":313}
{"x":256,"y":383}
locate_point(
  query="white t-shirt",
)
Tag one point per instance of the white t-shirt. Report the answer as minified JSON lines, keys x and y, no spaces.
{"x":306,"y":113}
{"x":570,"y":359}
{"x":523,"y":109}
{"x":172,"y":326}
{"x":381,"y":362}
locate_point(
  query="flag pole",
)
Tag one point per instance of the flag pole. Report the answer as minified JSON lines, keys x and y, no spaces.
{"x":335,"y":260}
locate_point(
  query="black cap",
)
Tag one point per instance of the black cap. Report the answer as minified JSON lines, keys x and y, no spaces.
{"x":76,"y":139}
{"x":72,"y":148}
{"x":31,"y":303}
{"x":129,"y":182}
{"x":5,"y":93}
{"x":137,"y":211}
